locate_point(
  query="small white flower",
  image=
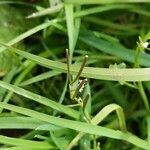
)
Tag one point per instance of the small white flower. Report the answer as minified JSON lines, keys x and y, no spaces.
{"x":145,"y":44}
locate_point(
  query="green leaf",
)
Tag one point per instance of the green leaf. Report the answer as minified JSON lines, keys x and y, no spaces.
{"x":48,"y":127}
{"x":46,"y":11}
{"x":40,"y":77}
{"x":40,"y":99}
{"x":79,"y":126}
{"x":70,"y":27}
{"x":19,"y":122}
{"x":112,"y":48}
{"x":136,"y":74}
{"x":25,"y":143}
{"x":100,"y":117}
{"x":87,"y":2}
{"x":31,"y":31}
{"x":106,"y":111}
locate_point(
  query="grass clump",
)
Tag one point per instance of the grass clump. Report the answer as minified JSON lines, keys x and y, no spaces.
{"x":93,"y":96}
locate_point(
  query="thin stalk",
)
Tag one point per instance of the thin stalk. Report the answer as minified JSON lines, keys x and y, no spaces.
{"x":144,"y":97}
{"x":139,"y":49}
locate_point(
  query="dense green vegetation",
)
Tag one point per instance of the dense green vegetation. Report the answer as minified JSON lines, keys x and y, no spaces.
{"x":94,"y":95}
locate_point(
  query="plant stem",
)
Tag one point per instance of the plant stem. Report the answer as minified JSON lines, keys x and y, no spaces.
{"x":139,"y":49}
{"x":144,"y":97}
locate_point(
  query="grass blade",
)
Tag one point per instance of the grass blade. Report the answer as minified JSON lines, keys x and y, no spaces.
{"x":19,"y":123}
{"x":87,"y":2}
{"x":40,"y":99}
{"x":30,"y":32}
{"x":79,"y":126}
{"x":100,"y":117}
{"x":25,"y":143}
{"x":40,"y":77}
{"x":106,"y":111}
{"x":70,"y":27}
{"x":112,"y":48}
{"x":46,"y":11}
{"x":136,"y":74}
